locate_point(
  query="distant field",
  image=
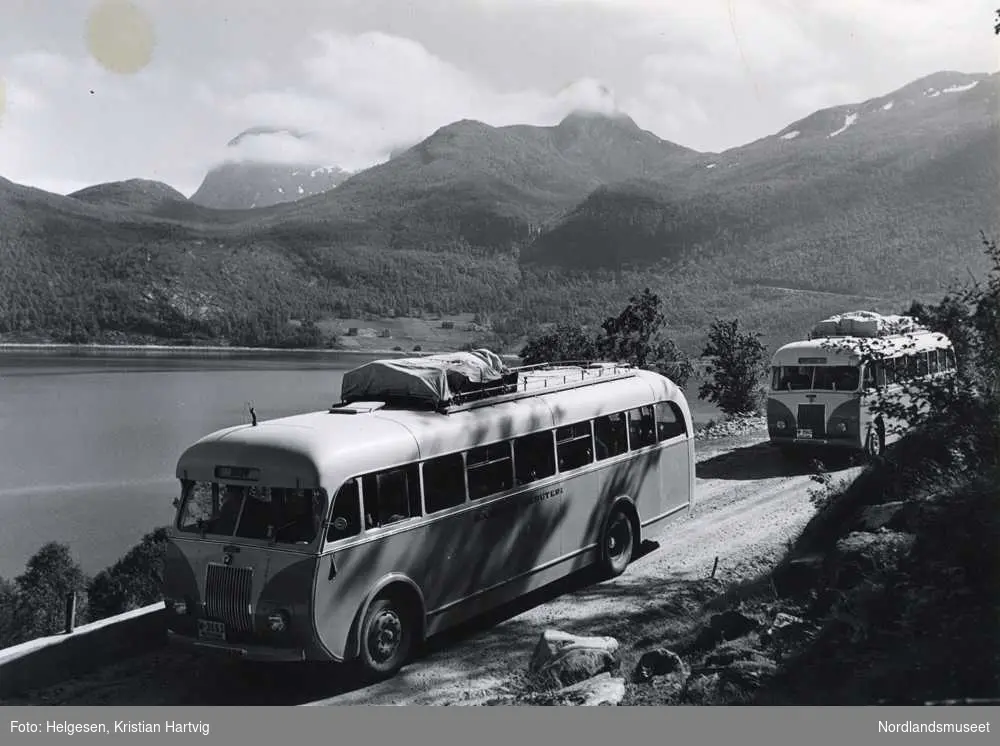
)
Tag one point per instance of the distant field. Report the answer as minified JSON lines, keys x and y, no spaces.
{"x":445,"y":332}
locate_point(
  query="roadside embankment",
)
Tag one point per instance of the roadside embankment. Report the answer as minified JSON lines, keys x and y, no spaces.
{"x":47,"y":660}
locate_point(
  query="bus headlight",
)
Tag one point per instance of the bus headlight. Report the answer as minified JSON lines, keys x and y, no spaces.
{"x":779,"y":425}
{"x":841,"y":427}
{"x":277,"y":621}
{"x":179,"y":606}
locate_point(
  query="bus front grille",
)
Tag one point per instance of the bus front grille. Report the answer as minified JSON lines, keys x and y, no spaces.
{"x":228,"y":593}
{"x":812,"y":417}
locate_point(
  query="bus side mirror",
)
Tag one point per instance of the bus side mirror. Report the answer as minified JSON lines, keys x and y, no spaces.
{"x":176,"y":503}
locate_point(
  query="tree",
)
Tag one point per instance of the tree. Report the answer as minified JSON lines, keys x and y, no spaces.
{"x":636,"y":336}
{"x":735,"y":370}
{"x":565,"y":342}
{"x":8,"y":603}
{"x":132,"y":582}
{"x":49,"y":577}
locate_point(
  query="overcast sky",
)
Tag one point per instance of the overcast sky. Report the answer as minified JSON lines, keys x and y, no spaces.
{"x":101,"y":90}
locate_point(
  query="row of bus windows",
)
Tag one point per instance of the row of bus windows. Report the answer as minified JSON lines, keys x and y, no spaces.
{"x":906,"y":367}
{"x":395,"y":494}
{"x":846,"y":377}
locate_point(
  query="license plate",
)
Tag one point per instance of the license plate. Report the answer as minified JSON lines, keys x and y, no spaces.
{"x":807,"y":433}
{"x":211,"y":630}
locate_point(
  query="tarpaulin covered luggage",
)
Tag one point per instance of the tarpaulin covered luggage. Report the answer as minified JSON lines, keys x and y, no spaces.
{"x":864,"y":324}
{"x":432,"y":381}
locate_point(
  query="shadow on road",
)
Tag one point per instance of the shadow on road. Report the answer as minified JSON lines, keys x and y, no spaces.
{"x":764,"y":461}
{"x":179,"y":677}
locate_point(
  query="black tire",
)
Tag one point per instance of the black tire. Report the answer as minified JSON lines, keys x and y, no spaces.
{"x":874,"y":443}
{"x":617,"y":544}
{"x":386,"y":637}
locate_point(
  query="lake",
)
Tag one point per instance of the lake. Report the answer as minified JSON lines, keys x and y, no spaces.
{"x":89,"y":441}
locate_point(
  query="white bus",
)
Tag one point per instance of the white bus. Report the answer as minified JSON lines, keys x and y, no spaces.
{"x":355,"y":533}
{"x":822,"y":389}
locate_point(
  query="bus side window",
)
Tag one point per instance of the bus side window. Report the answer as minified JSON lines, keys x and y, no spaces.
{"x":444,"y":482}
{"x":641,"y":427}
{"x":534,"y":457}
{"x":879,"y":373}
{"x":574,"y":446}
{"x":391,"y":496}
{"x":889,"y":367}
{"x":669,"y":421}
{"x":922,"y":368}
{"x":932,"y":359}
{"x":951,"y":358}
{"x":490,"y":470}
{"x":610,"y":435}
{"x":345,"y":519}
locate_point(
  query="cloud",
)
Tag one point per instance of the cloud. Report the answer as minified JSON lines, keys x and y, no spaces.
{"x":362,"y":96}
{"x":364,"y":78}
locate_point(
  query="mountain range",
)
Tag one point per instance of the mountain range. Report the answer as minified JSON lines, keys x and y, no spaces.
{"x":868,"y":203}
{"x":242,"y":183}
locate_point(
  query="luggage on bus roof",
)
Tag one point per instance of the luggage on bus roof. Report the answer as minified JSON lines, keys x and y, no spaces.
{"x":431,"y":380}
{"x":865,"y":324}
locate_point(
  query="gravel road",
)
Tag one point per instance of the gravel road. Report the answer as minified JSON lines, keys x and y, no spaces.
{"x":749,"y":504}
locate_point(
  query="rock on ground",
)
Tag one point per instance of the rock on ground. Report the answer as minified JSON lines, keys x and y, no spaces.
{"x":567,"y":659}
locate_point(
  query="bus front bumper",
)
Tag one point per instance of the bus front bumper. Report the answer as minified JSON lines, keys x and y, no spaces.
{"x":238,"y":650}
{"x":814,"y":442}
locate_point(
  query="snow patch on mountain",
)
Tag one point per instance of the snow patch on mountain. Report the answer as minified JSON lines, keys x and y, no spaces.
{"x":960,"y":88}
{"x":848,"y":121}
{"x":790,"y":135}
{"x":887,"y":106}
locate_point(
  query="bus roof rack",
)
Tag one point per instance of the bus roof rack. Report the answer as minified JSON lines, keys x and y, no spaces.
{"x":866,"y":324}
{"x":464,"y":380}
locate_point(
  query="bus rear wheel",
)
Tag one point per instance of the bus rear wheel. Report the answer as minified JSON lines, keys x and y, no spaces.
{"x":617,"y":544}
{"x":386,"y":637}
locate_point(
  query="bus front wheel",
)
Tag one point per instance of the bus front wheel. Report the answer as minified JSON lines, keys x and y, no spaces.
{"x":874,"y":443}
{"x":386,"y":637}
{"x":617,"y":544}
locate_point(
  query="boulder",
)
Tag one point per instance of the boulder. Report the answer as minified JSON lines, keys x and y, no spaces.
{"x":659,"y":662}
{"x":725,"y":626}
{"x":603,"y":689}
{"x":861,"y":553}
{"x":799,"y":576}
{"x":567,"y":659}
{"x":879,"y":516}
{"x":786,"y":629}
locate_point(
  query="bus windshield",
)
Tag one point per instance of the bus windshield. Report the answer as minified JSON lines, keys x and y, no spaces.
{"x":279,"y":514}
{"x":815,"y":378}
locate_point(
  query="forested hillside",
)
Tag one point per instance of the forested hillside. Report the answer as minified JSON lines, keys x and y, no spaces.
{"x":867,"y":205}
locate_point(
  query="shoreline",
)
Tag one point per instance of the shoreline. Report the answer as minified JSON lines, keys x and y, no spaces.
{"x":69,"y":347}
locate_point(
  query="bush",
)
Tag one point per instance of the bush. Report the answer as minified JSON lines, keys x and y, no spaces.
{"x":736,"y":369}
{"x":35,"y":604}
{"x":133,"y":581}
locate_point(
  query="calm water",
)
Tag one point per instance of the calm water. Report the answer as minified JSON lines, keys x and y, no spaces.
{"x":88,"y":443}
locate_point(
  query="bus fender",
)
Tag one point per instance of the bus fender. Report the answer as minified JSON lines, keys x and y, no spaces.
{"x":353,"y":648}
{"x":625,"y":503}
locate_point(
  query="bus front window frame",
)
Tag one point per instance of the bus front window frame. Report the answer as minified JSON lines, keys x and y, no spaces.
{"x":275,"y":517}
